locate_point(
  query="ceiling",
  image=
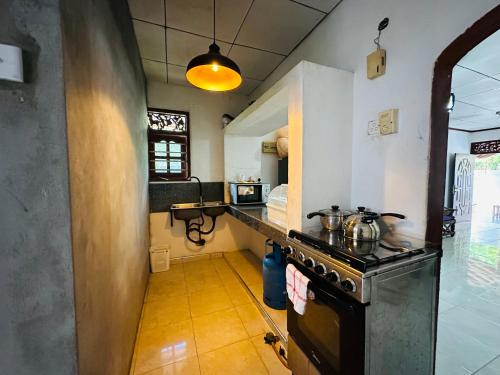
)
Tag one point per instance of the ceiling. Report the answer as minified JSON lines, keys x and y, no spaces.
{"x":476,"y":85}
{"x":257,"y":34}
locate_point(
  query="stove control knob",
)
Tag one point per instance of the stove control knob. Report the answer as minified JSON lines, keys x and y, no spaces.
{"x":332,"y":276}
{"x":309,"y":262}
{"x":302,"y":257}
{"x":320,"y":269}
{"x":348,"y":285}
{"x":289,"y":250}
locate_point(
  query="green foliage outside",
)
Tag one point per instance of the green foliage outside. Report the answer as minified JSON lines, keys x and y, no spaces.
{"x":489,"y":163}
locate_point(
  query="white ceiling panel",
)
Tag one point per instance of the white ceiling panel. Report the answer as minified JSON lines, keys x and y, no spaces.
{"x":465,"y":112}
{"x":177,"y":75}
{"x":462,"y":76}
{"x":148,"y":10}
{"x":277,"y":25}
{"x":254,"y":63}
{"x":151,"y":40}
{"x":247,"y":86}
{"x":480,"y":86}
{"x":154,"y":70}
{"x":488,"y":100}
{"x":182,"y":47}
{"x":485,"y":57}
{"x":196,"y":16}
{"x":465,"y":125}
{"x":322,"y":5}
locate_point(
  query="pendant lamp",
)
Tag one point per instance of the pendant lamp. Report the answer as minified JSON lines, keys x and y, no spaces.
{"x":212,"y":71}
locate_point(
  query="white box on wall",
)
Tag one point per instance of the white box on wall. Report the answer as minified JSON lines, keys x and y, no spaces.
{"x":11,"y":63}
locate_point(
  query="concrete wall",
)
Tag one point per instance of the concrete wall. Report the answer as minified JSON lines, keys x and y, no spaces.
{"x":390,"y":173}
{"x":106,"y":110}
{"x":205,"y":113}
{"x":37,"y":326}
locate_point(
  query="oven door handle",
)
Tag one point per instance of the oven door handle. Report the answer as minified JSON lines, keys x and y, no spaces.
{"x":337,"y":302}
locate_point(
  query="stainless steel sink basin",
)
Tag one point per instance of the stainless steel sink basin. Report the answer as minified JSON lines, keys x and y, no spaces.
{"x":214,"y":209}
{"x":215,"y":204}
{"x":184,"y":206}
{"x":189,"y":211}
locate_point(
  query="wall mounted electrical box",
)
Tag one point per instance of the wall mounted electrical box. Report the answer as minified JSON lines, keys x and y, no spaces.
{"x":375,"y":64}
{"x":11,"y":63}
{"x":388,"y":121}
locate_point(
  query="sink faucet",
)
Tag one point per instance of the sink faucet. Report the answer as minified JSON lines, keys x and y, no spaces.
{"x":199,"y":187}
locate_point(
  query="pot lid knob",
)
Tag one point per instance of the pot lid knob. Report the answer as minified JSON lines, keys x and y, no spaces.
{"x":361,"y":209}
{"x":335,"y":208}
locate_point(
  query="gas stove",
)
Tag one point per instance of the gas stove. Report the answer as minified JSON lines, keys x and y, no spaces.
{"x":349,"y":264}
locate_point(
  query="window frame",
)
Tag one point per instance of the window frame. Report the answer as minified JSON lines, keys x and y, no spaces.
{"x":154,"y":136}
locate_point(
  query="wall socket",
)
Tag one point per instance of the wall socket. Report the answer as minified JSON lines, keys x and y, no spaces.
{"x":388,"y":121}
{"x":373,"y":128}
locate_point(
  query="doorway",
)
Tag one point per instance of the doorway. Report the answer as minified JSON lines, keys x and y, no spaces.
{"x":463,"y":177}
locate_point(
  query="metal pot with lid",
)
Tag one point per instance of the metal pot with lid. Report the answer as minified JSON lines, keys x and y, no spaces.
{"x":363,"y":225}
{"x":331,"y":218}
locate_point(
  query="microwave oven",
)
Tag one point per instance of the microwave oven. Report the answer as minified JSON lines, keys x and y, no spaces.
{"x":249,"y":192}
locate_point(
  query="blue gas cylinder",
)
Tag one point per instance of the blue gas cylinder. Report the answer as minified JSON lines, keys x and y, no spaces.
{"x":273,"y":274}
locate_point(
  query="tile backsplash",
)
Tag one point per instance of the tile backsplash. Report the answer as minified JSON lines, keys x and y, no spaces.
{"x":162,"y":195}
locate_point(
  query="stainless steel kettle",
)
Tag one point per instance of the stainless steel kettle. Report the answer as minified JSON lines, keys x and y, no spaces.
{"x":363,"y":226}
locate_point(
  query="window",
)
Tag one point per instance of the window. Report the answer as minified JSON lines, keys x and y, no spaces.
{"x":168,"y":144}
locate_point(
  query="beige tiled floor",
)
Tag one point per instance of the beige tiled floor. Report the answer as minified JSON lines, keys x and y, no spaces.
{"x":249,"y":267}
{"x":198,"y":319}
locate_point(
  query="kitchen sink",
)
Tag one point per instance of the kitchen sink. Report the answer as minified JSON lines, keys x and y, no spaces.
{"x":214,"y":209}
{"x":190,"y":211}
{"x":186,"y":211}
{"x":184,"y":206}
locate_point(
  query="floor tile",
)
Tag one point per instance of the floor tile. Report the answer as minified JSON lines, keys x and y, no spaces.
{"x":492,"y":368}
{"x":252,"y":319}
{"x":199,"y":267}
{"x":238,"y":294}
{"x":165,"y":311}
{"x":175,"y":272}
{"x":188,"y":366}
{"x":219,"y":329}
{"x":239,"y":358}
{"x":164,"y":345}
{"x":159,"y":289}
{"x":209,"y":301}
{"x":198,"y":282}
{"x":269,"y":358}
{"x":472,"y":325}
{"x":464,"y":350}
{"x":448,"y":365}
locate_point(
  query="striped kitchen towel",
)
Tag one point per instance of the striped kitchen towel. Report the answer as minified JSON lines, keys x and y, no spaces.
{"x":297,"y":288}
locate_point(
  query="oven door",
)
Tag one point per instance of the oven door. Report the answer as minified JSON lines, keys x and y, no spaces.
{"x":331,"y":331}
{"x":249,"y":194}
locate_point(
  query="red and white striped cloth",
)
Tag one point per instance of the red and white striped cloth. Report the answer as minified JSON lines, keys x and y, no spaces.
{"x":296,"y":288}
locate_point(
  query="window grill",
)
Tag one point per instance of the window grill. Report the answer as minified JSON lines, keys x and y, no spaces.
{"x":168,"y":145}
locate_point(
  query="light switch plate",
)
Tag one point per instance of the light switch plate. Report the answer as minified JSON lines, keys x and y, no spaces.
{"x":388,"y":121}
{"x":373,"y":128}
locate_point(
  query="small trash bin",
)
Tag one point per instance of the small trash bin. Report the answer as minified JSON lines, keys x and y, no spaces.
{"x":159,"y":257}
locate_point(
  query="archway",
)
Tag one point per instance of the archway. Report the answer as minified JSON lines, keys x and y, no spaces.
{"x":441,"y":86}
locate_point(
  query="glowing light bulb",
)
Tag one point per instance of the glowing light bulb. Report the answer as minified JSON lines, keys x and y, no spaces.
{"x":215,"y":67}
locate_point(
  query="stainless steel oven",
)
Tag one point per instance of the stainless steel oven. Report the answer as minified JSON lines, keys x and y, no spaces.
{"x":331,"y":333}
{"x":249,"y":192}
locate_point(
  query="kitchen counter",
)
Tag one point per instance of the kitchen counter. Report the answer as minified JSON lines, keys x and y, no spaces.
{"x":255,"y":216}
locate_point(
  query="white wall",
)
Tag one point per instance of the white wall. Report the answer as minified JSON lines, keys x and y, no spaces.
{"x":458,"y":143}
{"x":389,"y":173}
{"x":489,"y":135}
{"x":205,"y":113}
